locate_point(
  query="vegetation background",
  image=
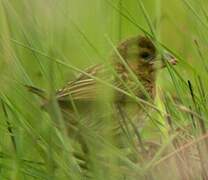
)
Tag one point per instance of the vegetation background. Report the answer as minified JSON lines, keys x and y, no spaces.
{"x":43,"y":42}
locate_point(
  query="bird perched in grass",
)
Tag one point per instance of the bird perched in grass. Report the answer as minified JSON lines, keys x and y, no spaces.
{"x":131,"y":75}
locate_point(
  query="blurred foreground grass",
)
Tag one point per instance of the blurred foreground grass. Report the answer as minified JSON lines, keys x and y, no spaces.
{"x":39,"y":43}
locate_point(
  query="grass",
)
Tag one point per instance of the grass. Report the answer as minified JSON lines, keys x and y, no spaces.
{"x":47,"y":43}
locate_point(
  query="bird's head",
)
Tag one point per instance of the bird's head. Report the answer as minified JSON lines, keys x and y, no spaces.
{"x":142,"y":57}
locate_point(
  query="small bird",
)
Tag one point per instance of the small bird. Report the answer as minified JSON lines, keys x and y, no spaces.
{"x":133,"y":70}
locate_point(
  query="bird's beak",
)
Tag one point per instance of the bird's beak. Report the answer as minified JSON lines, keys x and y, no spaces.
{"x":168,"y":58}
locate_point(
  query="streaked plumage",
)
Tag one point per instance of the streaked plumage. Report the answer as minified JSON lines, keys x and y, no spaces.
{"x":134,"y":70}
{"x":133,"y":52}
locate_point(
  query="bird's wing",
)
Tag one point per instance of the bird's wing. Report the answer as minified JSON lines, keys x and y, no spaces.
{"x":84,"y":87}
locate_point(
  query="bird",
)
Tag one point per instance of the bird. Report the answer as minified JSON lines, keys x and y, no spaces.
{"x":131,"y":73}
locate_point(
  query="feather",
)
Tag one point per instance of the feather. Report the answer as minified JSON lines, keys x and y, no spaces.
{"x":41,"y":93}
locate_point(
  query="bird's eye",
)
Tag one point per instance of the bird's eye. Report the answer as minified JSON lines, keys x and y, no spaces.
{"x":145,"y":55}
